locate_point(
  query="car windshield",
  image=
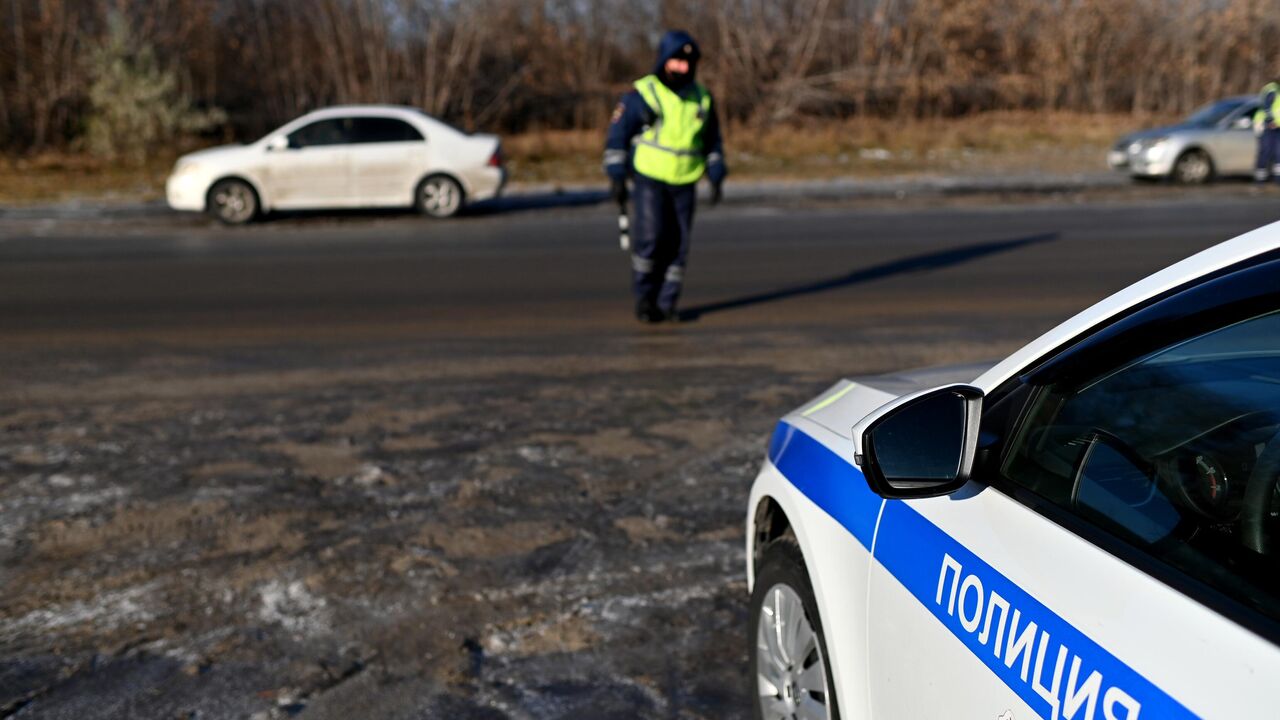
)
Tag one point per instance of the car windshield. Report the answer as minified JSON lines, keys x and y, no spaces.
{"x":1212,"y":113}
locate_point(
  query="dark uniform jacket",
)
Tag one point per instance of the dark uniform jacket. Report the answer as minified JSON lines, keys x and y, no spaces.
{"x":633,"y":114}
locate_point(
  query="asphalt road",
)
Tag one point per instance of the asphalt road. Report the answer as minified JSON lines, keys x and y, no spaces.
{"x":398,"y":468}
{"x":559,"y":273}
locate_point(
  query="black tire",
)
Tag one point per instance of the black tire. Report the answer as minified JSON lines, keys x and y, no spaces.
{"x":1193,"y":167}
{"x":439,"y":196}
{"x":232,"y":202}
{"x":783,"y":565}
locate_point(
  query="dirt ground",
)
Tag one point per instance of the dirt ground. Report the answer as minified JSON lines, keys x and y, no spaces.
{"x":435,"y":531}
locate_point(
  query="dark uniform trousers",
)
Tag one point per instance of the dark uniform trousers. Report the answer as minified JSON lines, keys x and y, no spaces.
{"x":660,"y":240}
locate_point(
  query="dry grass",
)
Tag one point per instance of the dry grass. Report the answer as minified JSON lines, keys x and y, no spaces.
{"x":59,"y":177}
{"x":986,"y":144}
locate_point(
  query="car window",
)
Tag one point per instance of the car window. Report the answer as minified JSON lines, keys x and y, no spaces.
{"x":1210,"y":114}
{"x":1177,"y":453}
{"x":384,"y":130}
{"x":334,"y":131}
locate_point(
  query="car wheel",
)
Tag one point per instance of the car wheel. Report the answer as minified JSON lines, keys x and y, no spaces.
{"x":1193,"y":168}
{"x":439,"y":196}
{"x":232,"y":202}
{"x":792,"y":677}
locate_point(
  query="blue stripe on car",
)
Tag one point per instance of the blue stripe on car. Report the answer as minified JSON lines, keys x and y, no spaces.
{"x":1040,"y":656}
{"x":827,"y":479}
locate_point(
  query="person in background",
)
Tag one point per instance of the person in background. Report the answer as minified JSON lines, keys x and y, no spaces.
{"x":1266,"y":127}
{"x":665,"y":134}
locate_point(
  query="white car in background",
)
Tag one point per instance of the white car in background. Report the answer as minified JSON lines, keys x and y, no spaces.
{"x":357,"y":156}
{"x":1088,"y":530}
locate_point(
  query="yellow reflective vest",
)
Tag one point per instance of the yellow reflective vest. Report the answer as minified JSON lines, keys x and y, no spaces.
{"x":1271,"y":115}
{"x":670,"y":150}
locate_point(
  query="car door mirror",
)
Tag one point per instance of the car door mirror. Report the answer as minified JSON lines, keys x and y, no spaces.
{"x":921,"y":445}
{"x":276,"y":143}
{"x":1243,"y":122}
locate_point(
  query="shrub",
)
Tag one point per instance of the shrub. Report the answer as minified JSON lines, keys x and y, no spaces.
{"x":134,"y":103}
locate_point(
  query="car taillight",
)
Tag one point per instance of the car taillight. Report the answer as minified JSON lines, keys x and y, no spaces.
{"x":495,"y":160}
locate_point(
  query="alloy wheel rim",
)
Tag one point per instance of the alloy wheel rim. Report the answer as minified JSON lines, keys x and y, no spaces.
{"x":791,"y":673}
{"x":439,"y":197}
{"x":234,"y":203}
{"x":1194,"y":169}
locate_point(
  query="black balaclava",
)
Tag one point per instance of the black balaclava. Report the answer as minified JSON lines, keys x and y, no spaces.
{"x":677,"y":44}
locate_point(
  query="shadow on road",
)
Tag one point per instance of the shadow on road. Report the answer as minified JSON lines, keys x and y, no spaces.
{"x":497,"y":206}
{"x":538,"y":201}
{"x":918,"y":263}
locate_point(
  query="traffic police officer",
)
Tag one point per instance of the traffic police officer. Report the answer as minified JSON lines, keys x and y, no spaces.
{"x":666,"y":134}
{"x":1266,"y":125}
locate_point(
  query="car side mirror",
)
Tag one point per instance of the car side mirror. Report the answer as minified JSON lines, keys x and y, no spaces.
{"x":1243,"y":123}
{"x":276,"y":143}
{"x":921,"y":445}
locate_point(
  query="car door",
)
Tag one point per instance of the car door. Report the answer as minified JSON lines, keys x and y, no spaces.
{"x":1235,"y":147}
{"x":314,"y":170}
{"x":387,"y":161}
{"x":1116,"y":555}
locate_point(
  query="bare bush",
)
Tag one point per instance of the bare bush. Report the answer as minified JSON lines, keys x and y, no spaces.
{"x":513,"y":65}
{"x":133,"y":103}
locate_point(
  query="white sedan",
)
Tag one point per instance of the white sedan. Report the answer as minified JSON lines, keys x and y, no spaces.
{"x":1089,"y":529}
{"x":359,"y":156}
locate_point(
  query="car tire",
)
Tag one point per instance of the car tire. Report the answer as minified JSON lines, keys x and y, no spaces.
{"x":783,"y":670}
{"x":1193,"y":167}
{"x":439,"y":196}
{"x":232,"y":202}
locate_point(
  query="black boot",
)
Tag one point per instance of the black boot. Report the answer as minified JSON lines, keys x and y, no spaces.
{"x":647,"y":311}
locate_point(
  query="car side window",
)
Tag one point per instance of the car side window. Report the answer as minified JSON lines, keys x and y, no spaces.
{"x":1177,"y":454}
{"x":1242,"y":119}
{"x":334,"y":131}
{"x":385,"y":130}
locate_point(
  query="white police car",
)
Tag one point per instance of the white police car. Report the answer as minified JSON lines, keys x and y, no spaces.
{"x":1088,"y":530}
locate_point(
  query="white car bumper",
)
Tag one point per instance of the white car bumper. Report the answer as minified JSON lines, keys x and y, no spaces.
{"x":1155,"y":161}
{"x":485,"y":183}
{"x":1138,"y":165}
{"x":186,"y":192}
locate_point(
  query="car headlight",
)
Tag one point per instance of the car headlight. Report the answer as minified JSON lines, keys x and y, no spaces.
{"x":1149,"y":149}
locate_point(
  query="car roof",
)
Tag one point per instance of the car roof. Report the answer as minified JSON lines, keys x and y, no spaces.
{"x":408,"y":113}
{"x":1222,"y":255}
{"x":373,"y":110}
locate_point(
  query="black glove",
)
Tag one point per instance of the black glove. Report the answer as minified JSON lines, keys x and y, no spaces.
{"x":618,"y":189}
{"x":717,"y":193}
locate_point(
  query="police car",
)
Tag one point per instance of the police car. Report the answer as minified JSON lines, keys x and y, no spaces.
{"x":1088,"y":530}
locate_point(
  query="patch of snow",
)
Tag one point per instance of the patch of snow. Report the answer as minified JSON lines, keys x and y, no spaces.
{"x":294,"y":608}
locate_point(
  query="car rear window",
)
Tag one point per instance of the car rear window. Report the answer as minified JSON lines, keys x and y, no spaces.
{"x":384,"y":130}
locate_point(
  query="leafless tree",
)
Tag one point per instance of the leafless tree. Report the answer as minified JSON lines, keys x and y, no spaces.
{"x":512,"y":65}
